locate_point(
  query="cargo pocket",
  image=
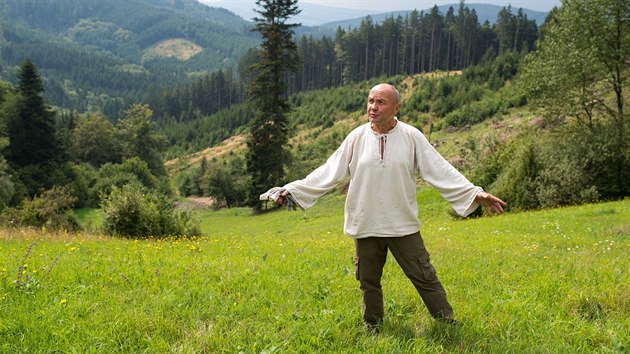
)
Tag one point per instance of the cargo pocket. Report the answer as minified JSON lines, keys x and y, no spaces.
{"x":428,"y":272}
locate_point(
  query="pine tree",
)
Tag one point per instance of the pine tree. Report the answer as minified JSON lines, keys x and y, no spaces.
{"x":267,"y":154}
{"x":34,"y":150}
{"x":31,"y":125}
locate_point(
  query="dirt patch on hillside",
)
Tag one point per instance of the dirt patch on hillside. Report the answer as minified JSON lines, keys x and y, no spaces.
{"x":181,"y":49}
{"x":234,"y":143}
{"x":195,"y":203}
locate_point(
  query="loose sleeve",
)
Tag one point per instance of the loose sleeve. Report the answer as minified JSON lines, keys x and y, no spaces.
{"x":323,"y":179}
{"x":449,"y":182}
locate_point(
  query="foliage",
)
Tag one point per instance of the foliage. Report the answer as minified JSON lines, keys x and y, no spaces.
{"x":581,"y":166}
{"x":132,"y":170}
{"x":205,"y":95}
{"x":518,"y":181}
{"x":267,"y":154}
{"x":544,"y":281}
{"x":565,"y":166}
{"x":226,"y":182}
{"x":573,"y":74}
{"x":136,"y":212}
{"x":198,"y":134}
{"x":141,"y":139}
{"x":96,"y":141}
{"x":52,"y":209}
{"x":6,"y":184}
{"x":584,"y":77}
{"x":481,"y":92}
{"x":188,"y":182}
{"x":93,"y":52}
{"x":34,"y":151}
{"x":82,"y":180}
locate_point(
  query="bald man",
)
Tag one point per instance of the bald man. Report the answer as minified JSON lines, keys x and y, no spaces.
{"x":382,"y":159}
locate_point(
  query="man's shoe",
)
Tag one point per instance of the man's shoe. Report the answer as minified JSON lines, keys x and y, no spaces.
{"x":448,"y":321}
{"x":373,"y":328}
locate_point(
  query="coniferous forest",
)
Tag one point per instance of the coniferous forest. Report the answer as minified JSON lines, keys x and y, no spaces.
{"x":97,"y":95}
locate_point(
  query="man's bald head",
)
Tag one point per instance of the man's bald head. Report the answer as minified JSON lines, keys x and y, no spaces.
{"x":389,"y":90}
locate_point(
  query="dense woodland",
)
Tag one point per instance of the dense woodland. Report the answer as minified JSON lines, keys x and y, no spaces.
{"x":420,"y":42}
{"x":53,"y":160}
{"x":95,"y":55}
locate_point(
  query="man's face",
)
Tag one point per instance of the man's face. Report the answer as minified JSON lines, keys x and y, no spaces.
{"x":382,"y":104}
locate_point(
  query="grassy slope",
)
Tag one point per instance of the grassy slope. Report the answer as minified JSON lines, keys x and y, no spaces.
{"x":545,"y":281}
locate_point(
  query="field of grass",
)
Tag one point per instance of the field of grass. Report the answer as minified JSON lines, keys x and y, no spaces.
{"x":551,"y":281}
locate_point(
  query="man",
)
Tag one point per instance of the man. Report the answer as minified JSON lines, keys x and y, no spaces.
{"x":382,"y":158}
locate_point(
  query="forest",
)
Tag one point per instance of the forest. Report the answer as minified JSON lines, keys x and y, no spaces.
{"x":418,"y":43}
{"x":102,"y":55}
{"x":454,"y":72}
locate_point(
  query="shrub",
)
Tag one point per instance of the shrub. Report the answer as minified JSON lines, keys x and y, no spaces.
{"x":517,"y":184}
{"x":132,"y":170}
{"x":226,"y":183}
{"x":133,"y":211}
{"x":578,"y":167}
{"x":7,"y":187}
{"x":52,"y":209}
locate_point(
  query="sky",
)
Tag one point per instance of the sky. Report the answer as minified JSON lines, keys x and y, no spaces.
{"x":394,"y":5}
{"x":382,"y":6}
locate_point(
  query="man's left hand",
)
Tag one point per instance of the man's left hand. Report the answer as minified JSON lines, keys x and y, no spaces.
{"x":492,"y":204}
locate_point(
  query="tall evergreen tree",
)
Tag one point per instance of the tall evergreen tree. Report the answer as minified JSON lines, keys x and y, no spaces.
{"x":30,"y":125}
{"x":267,"y":155}
{"x":34,"y":150}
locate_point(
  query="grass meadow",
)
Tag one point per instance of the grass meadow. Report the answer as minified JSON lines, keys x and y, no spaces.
{"x":550,"y":281}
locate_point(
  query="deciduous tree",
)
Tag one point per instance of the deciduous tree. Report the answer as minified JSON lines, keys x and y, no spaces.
{"x":580,"y":71}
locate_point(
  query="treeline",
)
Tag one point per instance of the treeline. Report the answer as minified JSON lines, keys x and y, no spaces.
{"x":420,"y":42}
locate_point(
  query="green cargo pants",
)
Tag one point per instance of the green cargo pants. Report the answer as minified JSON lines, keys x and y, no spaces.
{"x":410,"y":253}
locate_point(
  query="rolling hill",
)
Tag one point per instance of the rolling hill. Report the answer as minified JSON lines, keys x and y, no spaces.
{"x":104,"y":54}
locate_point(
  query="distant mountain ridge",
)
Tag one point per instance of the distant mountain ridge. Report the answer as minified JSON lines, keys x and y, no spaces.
{"x":328,"y":17}
{"x":312,"y":15}
{"x":485,"y":12}
{"x":95,"y":53}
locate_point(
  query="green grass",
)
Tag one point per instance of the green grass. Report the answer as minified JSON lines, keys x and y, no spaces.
{"x":552,"y":281}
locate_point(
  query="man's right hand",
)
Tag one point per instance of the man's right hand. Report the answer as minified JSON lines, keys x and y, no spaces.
{"x":282,"y":200}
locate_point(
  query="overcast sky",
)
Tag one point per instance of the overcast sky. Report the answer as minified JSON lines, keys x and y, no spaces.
{"x":393,"y":5}
{"x":381,"y":6}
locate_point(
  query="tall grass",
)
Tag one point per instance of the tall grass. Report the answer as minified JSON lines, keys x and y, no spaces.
{"x":548,"y":281}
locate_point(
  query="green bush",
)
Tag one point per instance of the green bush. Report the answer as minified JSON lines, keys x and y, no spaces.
{"x":581,"y":165}
{"x":133,"y":211}
{"x":7,"y":187}
{"x":573,"y":164}
{"x":226,"y":183}
{"x":52,"y":209}
{"x":83,"y":178}
{"x":188,"y":181}
{"x":132,"y":170}
{"x":518,"y":182}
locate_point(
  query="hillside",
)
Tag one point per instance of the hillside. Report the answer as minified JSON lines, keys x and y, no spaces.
{"x":105,"y":54}
{"x":322,"y":118}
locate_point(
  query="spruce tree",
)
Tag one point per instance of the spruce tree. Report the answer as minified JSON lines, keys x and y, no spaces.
{"x":267,"y":154}
{"x":30,"y":125}
{"x":34,"y":150}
